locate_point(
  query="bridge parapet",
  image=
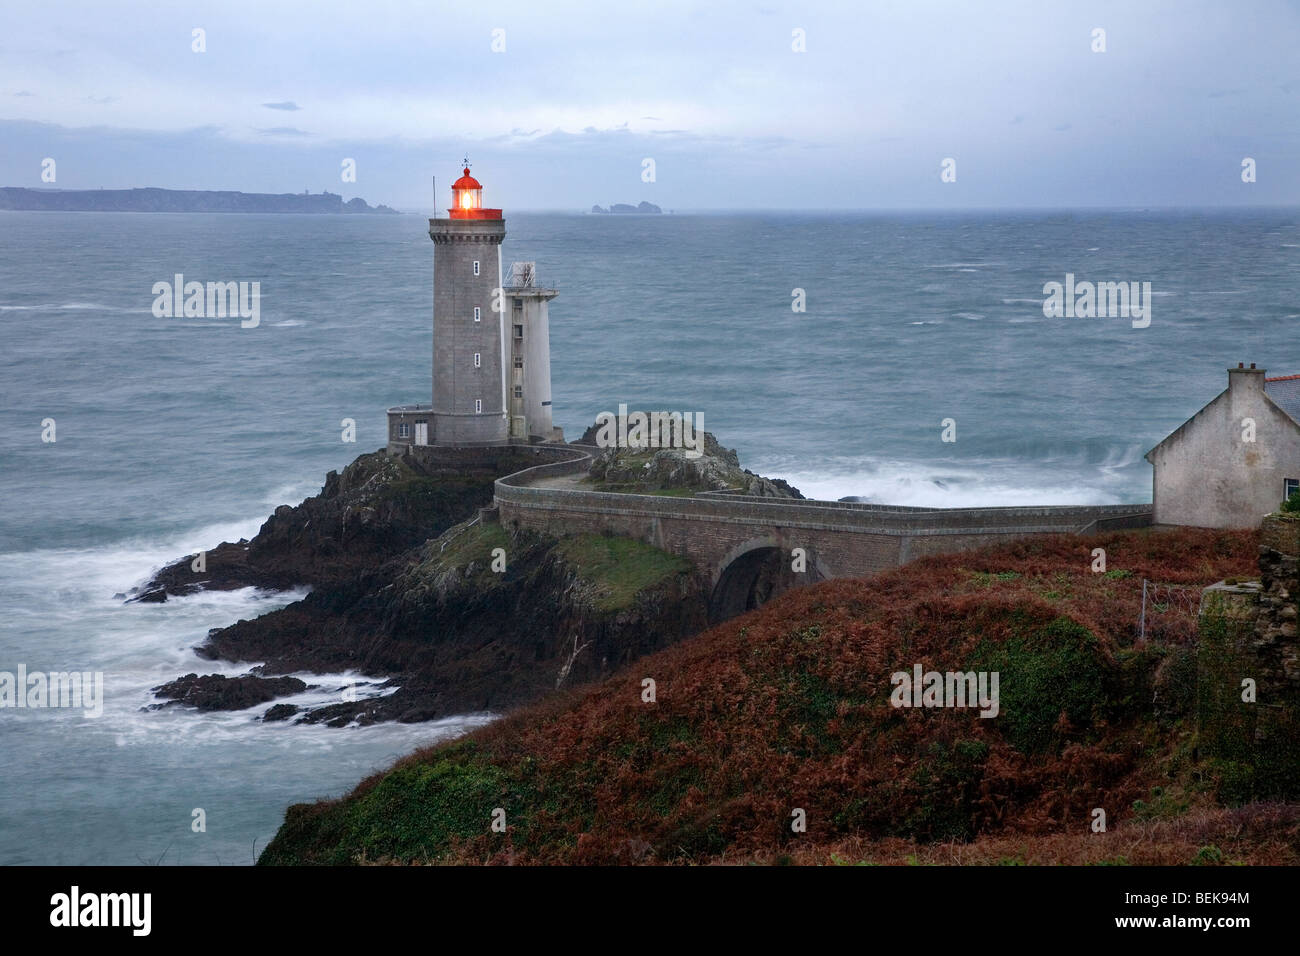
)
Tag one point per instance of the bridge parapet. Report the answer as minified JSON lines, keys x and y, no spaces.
{"x":722,"y":531}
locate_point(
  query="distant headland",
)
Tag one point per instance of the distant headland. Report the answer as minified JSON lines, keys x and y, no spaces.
{"x":178,"y":200}
{"x":622,"y":207}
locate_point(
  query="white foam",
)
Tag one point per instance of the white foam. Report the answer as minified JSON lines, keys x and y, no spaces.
{"x":979,"y":484}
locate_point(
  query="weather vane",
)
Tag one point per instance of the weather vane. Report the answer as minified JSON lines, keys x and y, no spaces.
{"x":467,"y":160}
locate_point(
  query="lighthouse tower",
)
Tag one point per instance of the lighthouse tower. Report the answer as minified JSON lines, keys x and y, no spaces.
{"x":469,"y":359}
{"x":491,"y":341}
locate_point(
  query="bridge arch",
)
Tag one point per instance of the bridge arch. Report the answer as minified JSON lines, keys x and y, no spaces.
{"x":755,"y":571}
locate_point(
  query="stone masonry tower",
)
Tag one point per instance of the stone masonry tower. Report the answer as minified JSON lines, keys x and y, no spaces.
{"x":491,"y":340}
{"x":469,"y":337}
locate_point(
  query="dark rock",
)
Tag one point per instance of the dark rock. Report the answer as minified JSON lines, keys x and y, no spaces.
{"x":215,"y":692}
{"x":280,"y":712}
{"x":376,"y":509}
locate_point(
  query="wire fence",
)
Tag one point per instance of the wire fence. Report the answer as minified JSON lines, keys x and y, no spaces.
{"x":1169,"y":612}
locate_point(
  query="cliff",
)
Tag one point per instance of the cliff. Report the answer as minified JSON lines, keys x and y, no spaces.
{"x":787,"y":709}
{"x":178,"y":200}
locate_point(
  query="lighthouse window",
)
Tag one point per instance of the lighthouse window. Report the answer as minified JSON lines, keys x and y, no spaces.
{"x":519,"y":391}
{"x":476,"y":267}
{"x":478,"y":406}
{"x":478,"y":314}
{"x":519,"y":332}
{"x":519,"y":363}
{"x":478,"y":359}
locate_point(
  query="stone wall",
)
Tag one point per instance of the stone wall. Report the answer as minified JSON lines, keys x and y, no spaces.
{"x":1248,"y":634}
{"x":1274,"y":643}
{"x":843,"y":539}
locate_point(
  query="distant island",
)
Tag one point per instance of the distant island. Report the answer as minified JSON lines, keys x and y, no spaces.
{"x":622,"y":207}
{"x":178,"y":200}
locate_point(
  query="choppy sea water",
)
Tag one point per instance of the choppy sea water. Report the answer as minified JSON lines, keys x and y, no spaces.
{"x":173,"y":434}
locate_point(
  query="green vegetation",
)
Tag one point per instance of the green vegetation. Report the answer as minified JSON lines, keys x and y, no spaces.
{"x":472,"y":544}
{"x":1208,"y":856}
{"x":986,"y":579}
{"x":1045,"y":673}
{"x":790,"y":709}
{"x":618,"y":568}
{"x":414,"y":812}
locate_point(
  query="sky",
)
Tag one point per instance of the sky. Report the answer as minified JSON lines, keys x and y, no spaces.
{"x":559,"y":105}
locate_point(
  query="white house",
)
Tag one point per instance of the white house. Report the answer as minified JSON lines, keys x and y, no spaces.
{"x":1235,"y":460}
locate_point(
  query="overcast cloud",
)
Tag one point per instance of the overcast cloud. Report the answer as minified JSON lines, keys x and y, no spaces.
{"x":713,"y":92}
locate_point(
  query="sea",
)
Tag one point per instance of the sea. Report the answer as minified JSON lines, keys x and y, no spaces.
{"x":835,"y":350}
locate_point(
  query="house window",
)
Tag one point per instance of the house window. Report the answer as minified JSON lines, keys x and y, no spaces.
{"x":478,"y":314}
{"x":1289,"y":485}
{"x":403,"y":430}
{"x":519,"y":391}
{"x":519,"y":332}
{"x":476,"y":267}
{"x":519,"y":363}
{"x":478,"y":359}
{"x":478,"y":406}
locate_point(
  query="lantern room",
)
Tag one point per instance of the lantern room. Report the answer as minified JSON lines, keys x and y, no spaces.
{"x":467,"y":200}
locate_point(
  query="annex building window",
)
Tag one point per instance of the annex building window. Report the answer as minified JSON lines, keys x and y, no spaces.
{"x":1289,"y":485}
{"x":403,"y":430}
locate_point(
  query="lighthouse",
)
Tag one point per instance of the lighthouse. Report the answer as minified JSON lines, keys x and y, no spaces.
{"x":491,"y":338}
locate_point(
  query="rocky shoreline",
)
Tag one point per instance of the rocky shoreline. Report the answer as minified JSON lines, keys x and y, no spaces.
{"x":410,"y":588}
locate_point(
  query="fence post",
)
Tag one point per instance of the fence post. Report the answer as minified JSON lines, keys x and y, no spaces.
{"x":1142,"y":621}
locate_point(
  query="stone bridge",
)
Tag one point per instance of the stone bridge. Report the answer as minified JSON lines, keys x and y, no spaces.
{"x":745,"y":545}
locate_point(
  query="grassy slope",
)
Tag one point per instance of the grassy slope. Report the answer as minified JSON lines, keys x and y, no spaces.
{"x":613,"y":570}
{"x":788,"y":708}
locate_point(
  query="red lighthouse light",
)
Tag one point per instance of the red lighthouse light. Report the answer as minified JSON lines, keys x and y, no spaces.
{"x":467,"y":200}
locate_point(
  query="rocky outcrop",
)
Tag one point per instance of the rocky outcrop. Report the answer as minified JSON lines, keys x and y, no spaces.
{"x":378,"y":508}
{"x":456,"y":636}
{"x":674,"y":469}
{"x":412,"y":586}
{"x":214,"y":692}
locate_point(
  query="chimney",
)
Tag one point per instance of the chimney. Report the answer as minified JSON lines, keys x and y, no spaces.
{"x":1246,"y":379}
